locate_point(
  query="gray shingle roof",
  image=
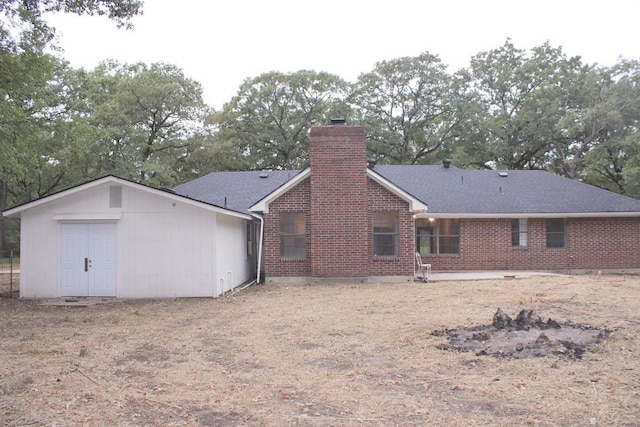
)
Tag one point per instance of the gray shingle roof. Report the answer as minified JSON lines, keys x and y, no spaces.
{"x":234,"y":190}
{"x":454,"y":190}
{"x":445,"y":190}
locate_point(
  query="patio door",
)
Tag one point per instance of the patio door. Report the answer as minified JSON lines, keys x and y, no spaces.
{"x":88,"y":260}
{"x":424,"y":240}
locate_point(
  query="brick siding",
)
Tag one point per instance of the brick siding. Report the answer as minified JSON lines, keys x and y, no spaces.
{"x":590,"y":244}
{"x":294,"y":200}
{"x":381,"y":199}
{"x":339,"y":226}
{"x":338,"y":200}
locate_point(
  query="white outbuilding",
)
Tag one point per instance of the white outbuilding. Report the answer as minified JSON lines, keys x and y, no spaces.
{"x":115,"y":238}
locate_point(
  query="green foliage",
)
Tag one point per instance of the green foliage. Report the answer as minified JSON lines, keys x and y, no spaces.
{"x":518,"y":103}
{"x":511,"y":109}
{"x":29,"y":104}
{"x":25,"y":29}
{"x":139,"y":122}
{"x":409,"y":106}
{"x":268,"y":121}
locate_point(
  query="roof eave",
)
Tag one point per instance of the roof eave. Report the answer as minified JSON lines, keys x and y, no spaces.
{"x":263,"y":204}
{"x":530,"y":215}
{"x":16,"y":211}
{"x":416,"y":206}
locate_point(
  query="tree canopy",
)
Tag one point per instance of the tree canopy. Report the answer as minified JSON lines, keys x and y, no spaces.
{"x":268,"y":121}
{"x":511,"y":108}
{"x":409,"y":106}
{"x":28,"y":100}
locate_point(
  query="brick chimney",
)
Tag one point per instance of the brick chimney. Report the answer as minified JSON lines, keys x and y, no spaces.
{"x":339,"y":225}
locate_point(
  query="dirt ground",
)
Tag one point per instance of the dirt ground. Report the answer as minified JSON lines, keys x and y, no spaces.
{"x":9,"y":284}
{"x":322,"y":355}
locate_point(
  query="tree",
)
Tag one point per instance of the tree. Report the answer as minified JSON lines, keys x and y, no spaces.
{"x":613,"y":162}
{"x":519,"y":98}
{"x":410,"y":107}
{"x":268,"y":121}
{"x":25,"y":70}
{"x":142,"y":121}
{"x":584,"y":121}
{"x":25,"y":28}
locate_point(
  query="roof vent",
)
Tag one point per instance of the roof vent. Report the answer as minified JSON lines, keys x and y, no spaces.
{"x":371,"y":163}
{"x":115,"y":196}
{"x":338,"y":121}
{"x":503,"y":174}
{"x":446,"y":163}
{"x":264,"y":175}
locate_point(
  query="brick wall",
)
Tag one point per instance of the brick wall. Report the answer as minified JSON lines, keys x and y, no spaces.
{"x":590,"y":244}
{"x":381,"y":199}
{"x":294,"y":200}
{"x":338,"y":200}
{"x":338,"y":217}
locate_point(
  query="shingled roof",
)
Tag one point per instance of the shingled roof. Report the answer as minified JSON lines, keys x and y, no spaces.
{"x":447,"y":191}
{"x":487,"y":192}
{"x":235,"y":190}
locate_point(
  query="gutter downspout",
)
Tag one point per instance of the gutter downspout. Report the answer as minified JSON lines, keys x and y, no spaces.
{"x":259,"y":246}
{"x":257,"y":280}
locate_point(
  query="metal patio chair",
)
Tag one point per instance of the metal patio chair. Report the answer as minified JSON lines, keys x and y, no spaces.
{"x":423,"y":269}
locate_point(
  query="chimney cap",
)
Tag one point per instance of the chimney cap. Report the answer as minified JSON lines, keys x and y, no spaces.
{"x":338,"y":121}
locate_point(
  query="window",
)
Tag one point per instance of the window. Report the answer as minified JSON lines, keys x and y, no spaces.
{"x":293,"y":239}
{"x":519,"y":232}
{"x":250,"y":231}
{"x":555,"y":233}
{"x":385,"y":234}
{"x":438,"y":236}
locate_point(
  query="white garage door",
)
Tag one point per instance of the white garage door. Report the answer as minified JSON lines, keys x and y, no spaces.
{"x":88,"y":260}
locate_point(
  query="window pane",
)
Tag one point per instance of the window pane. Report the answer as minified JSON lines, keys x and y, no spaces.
{"x":515,"y":232}
{"x":438,"y":236}
{"x":555,"y":225}
{"x":385,"y":234}
{"x":385,"y":245}
{"x":555,"y":233}
{"x":448,"y":236}
{"x":449,"y":227}
{"x":519,"y":232}
{"x":425,"y":240}
{"x":293,"y":239}
{"x":555,"y":240}
{"x":449,"y":245}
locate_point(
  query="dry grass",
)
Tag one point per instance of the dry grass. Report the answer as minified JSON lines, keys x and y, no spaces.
{"x":9,"y":284}
{"x":335,"y":355}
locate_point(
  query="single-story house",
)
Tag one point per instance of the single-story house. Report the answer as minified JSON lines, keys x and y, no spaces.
{"x":343,"y":218}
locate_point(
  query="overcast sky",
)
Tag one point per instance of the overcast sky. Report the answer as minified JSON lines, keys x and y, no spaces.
{"x":221,"y":43}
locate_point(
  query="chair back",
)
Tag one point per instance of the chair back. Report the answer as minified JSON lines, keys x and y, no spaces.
{"x":418,"y":258}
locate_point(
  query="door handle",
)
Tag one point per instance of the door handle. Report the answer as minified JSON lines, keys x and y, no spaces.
{"x":86,"y":264}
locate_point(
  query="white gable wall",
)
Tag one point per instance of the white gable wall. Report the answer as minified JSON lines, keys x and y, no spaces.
{"x":233,"y":269}
{"x":165,"y":247}
{"x":39,"y":254}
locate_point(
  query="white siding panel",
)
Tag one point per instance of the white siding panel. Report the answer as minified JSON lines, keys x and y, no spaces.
{"x":168,"y":254}
{"x":233,"y":264}
{"x":164,"y":248}
{"x":39,"y":256}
